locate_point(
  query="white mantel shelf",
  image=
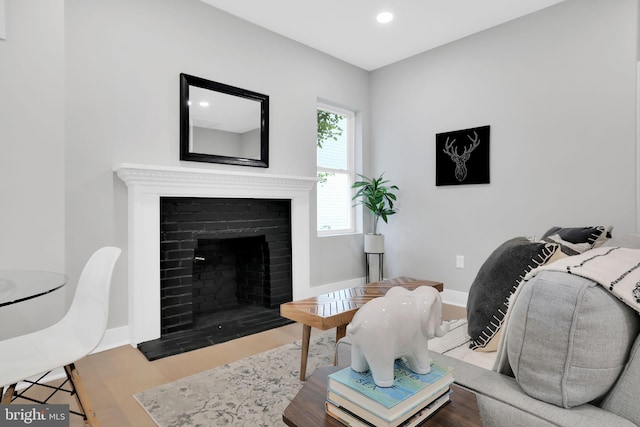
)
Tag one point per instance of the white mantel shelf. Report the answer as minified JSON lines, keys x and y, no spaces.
{"x":137,"y":174}
{"x":146,"y":184}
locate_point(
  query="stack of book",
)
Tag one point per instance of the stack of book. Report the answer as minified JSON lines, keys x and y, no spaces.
{"x":354,"y":399}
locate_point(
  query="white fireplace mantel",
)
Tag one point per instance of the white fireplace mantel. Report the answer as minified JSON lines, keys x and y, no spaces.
{"x":147,"y":183}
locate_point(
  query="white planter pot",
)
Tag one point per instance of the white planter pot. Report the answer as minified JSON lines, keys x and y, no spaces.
{"x":374,"y":243}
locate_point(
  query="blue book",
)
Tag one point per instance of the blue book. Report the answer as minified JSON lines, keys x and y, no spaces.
{"x":409,"y":392}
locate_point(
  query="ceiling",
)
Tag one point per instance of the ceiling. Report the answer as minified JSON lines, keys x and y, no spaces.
{"x":347,"y":29}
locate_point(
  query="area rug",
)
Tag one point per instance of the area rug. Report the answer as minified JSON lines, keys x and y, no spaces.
{"x":250,"y":392}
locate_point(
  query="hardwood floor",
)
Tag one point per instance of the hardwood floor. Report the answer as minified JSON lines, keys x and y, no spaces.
{"x":112,"y":377}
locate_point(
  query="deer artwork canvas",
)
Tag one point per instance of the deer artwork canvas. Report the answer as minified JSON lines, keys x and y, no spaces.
{"x":462,"y":157}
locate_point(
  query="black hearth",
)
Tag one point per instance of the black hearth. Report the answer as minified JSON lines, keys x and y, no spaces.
{"x":225,"y":269}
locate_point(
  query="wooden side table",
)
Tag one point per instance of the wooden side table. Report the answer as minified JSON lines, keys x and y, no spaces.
{"x":336,"y":309}
{"x":307,"y":408}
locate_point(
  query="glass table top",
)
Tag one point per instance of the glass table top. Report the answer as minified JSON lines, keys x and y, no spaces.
{"x":21,"y":285}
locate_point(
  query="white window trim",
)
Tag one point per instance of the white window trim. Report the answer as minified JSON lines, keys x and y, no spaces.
{"x":351,"y":165}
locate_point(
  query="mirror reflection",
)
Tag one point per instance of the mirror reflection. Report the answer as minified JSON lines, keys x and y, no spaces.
{"x":223,"y":124}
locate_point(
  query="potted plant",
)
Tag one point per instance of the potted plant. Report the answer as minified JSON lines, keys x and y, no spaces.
{"x":375,"y":195}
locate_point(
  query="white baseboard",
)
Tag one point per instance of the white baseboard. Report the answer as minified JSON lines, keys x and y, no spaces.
{"x":455,"y":297}
{"x":314,"y":291}
{"x":114,"y":337}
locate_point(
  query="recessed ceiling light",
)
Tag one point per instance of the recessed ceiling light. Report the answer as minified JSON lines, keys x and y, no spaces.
{"x":204,"y":104}
{"x":384,"y":17}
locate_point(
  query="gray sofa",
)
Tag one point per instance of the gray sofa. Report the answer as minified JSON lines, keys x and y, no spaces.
{"x":569,"y":356}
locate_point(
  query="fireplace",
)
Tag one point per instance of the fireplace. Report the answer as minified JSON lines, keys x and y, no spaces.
{"x":225,"y":268}
{"x":149,"y":185}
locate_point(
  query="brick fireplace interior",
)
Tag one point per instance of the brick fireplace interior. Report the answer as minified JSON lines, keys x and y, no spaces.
{"x":225,"y":268}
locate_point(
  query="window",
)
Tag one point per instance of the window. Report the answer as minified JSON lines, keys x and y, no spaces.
{"x":335,"y":166}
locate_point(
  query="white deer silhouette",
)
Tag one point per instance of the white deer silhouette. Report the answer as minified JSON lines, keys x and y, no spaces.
{"x":461,"y":159}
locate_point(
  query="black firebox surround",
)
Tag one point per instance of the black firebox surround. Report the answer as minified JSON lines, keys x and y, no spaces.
{"x":194,"y":235}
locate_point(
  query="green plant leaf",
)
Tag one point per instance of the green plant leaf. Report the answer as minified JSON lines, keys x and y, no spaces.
{"x":376,"y":197}
{"x":328,"y":127}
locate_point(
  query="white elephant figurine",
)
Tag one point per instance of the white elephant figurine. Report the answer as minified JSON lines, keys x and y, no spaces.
{"x":396,"y":325}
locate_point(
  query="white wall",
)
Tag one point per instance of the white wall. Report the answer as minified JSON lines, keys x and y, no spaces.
{"x":558,"y":89}
{"x":32,"y":230}
{"x":123,"y":61}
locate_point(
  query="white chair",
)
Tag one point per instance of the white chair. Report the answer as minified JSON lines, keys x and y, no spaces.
{"x":76,"y":335}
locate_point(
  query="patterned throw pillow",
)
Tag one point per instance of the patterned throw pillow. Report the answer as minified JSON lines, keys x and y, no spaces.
{"x":576,"y":240}
{"x":497,"y":279}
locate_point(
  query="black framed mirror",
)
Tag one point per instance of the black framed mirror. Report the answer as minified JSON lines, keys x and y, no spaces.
{"x":223,"y":124}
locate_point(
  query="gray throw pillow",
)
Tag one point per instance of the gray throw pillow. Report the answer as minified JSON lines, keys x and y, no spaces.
{"x":568,"y":338}
{"x":496,"y":280}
